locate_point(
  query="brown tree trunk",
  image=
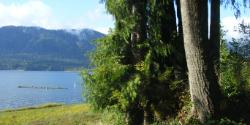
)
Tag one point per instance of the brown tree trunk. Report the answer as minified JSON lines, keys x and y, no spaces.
{"x":195,"y":28}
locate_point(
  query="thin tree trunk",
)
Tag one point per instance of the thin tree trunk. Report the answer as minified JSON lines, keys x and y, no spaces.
{"x":146,"y":119}
{"x":195,"y":28}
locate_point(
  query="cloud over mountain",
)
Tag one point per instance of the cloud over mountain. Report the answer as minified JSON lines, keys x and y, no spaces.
{"x":38,"y":13}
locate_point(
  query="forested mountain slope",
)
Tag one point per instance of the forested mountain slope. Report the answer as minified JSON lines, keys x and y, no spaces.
{"x":35,"y":48}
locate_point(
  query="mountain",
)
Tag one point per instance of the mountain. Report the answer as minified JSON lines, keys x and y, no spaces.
{"x":35,"y":48}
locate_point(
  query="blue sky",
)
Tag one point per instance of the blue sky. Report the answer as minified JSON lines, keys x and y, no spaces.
{"x":77,"y":14}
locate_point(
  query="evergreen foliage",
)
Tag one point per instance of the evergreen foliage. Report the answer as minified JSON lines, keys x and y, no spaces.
{"x":140,"y":73}
{"x":235,"y":76}
{"x":137,"y":77}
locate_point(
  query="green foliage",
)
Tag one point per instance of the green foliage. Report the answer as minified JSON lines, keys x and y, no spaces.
{"x":193,"y":121}
{"x":128,"y":95}
{"x":226,"y":121}
{"x":222,"y":121}
{"x":234,"y":80}
{"x":112,"y":116}
{"x":168,"y":122}
{"x":233,"y":70}
{"x":134,"y":74}
{"x":111,"y":82}
{"x":140,"y":67}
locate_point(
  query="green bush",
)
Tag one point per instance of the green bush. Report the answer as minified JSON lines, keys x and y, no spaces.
{"x":226,"y":121}
{"x":112,"y":116}
{"x":222,"y":121}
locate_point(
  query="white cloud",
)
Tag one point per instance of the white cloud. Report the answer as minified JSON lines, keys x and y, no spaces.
{"x":94,"y":18}
{"x":104,"y":30}
{"x":37,"y":13}
{"x":230,"y":24}
{"x":32,"y":13}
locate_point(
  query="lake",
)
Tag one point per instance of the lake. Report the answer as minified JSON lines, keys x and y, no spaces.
{"x":11,"y":96}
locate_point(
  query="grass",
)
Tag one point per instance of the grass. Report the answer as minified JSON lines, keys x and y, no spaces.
{"x":51,"y":114}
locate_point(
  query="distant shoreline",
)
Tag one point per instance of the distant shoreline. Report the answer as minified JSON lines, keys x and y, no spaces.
{"x":44,"y":70}
{"x":46,"y":105}
{"x":39,"y":106}
{"x":40,"y":87}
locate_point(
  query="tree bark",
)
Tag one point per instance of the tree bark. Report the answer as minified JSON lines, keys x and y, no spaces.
{"x":134,"y":116}
{"x":180,"y":30}
{"x":138,"y":35}
{"x":195,"y":28}
{"x":215,"y":35}
{"x":181,"y":64}
{"x":146,"y":119}
{"x":214,"y":51}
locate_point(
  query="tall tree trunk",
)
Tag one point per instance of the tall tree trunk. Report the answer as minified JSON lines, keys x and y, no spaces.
{"x":214,"y":51}
{"x":138,"y":36}
{"x":168,"y":22}
{"x":178,"y":6}
{"x":195,"y":28}
{"x":146,"y":119}
{"x":215,"y":34}
{"x":134,"y":116}
{"x":180,"y":55}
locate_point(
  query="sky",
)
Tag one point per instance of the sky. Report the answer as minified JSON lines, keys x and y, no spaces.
{"x":79,"y":14}
{"x":56,"y":14}
{"x":229,"y":22}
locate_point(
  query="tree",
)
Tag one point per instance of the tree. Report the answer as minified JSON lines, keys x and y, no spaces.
{"x":202,"y":76}
{"x":215,"y":34}
{"x":138,"y":67}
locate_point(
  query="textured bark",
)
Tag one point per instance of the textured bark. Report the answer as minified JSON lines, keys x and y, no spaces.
{"x":195,"y":28}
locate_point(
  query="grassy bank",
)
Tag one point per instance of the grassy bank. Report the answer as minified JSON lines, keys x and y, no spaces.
{"x":51,"y":114}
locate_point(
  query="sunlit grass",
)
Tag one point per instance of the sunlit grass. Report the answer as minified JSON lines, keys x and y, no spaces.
{"x":78,"y":114}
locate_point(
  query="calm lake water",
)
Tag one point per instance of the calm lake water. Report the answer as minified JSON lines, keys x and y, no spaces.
{"x":13,"y":97}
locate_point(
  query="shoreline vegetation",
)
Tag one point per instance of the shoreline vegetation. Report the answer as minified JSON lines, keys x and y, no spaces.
{"x":50,"y":114}
{"x":47,"y":105}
